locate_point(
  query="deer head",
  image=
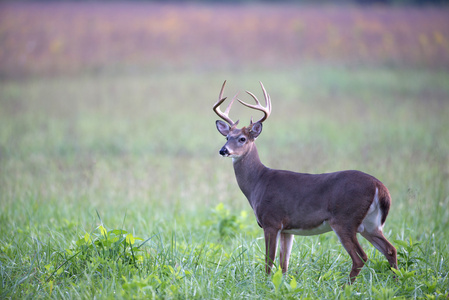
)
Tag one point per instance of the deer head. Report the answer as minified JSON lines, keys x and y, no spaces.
{"x":240,"y":141}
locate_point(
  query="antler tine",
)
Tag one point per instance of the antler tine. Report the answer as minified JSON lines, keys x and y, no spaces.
{"x":267,"y":98}
{"x":266,"y":110}
{"x":224,"y":115}
{"x":220,"y":97}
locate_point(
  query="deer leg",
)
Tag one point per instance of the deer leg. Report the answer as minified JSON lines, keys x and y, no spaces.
{"x":348,"y":239}
{"x":286,"y":249}
{"x":378,"y":240}
{"x":271,"y":243}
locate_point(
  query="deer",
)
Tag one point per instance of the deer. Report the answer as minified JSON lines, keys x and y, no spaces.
{"x":287,"y":203}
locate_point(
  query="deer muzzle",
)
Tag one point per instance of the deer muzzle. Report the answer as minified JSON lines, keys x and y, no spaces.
{"x":224,"y":151}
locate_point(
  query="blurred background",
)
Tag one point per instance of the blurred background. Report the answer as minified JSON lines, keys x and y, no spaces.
{"x":60,"y":37}
{"x":108,"y":104}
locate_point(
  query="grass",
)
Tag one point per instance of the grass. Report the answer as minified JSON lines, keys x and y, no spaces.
{"x":112,"y":187}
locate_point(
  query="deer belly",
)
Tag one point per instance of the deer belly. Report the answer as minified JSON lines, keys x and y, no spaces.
{"x":322,"y":228}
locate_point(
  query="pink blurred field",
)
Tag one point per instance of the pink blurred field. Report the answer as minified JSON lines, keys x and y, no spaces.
{"x":55,"y":38}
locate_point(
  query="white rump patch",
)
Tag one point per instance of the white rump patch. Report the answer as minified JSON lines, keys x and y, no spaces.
{"x":372,"y":221}
{"x":322,"y":228}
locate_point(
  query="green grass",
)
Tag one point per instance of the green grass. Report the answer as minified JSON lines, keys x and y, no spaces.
{"x":141,"y":149}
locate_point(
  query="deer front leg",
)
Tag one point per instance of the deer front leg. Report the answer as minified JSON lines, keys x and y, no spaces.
{"x":271,"y":243}
{"x":286,"y":249}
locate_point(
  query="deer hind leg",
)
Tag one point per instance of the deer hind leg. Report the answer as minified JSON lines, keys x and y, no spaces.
{"x":271,"y":243}
{"x":378,"y":240}
{"x":371,"y":229}
{"x":286,"y":249}
{"x":348,"y":239}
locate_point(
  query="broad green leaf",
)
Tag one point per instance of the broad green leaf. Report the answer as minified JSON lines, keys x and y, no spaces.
{"x":118,"y":231}
{"x":171,"y":269}
{"x":401,"y":243}
{"x":220,"y":208}
{"x":48,"y":267}
{"x":130,"y":239}
{"x":293,"y":283}
{"x":50,"y":284}
{"x":277,"y":279}
{"x":326,"y":276}
{"x":396,"y":271}
{"x":103,"y":231}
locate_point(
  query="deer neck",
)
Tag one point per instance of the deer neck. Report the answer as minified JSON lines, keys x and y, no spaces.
{"x":248,"y":169}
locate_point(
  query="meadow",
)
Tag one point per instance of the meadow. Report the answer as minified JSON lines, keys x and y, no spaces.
{"x":111,"y":185}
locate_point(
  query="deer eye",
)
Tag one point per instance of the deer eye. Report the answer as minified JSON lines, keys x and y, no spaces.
{"x":242,"y":140}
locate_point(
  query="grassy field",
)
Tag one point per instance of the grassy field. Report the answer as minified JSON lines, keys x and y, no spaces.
{"x":111,"y":185}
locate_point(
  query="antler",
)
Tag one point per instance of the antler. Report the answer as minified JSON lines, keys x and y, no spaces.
{"x":224,"y":115}
{"x":266,"y":110}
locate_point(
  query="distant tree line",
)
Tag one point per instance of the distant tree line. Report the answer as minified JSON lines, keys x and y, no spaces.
{"x":403,"y":2}
{"x":360,"y":2}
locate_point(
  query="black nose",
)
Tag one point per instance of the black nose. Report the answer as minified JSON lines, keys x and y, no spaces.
{"x":224,"y":151}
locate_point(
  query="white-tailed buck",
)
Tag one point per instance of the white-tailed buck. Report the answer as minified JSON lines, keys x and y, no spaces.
{"x":287,"y":203}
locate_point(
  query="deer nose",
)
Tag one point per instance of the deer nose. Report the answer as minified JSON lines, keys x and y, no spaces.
{"x":224,"y":151}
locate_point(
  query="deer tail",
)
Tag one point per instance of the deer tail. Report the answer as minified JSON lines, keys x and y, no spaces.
{"x":384,"y":202}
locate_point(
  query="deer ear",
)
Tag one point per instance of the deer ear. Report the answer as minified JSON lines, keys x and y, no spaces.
{"x":256,"y":129}
{"x":223,"y":127}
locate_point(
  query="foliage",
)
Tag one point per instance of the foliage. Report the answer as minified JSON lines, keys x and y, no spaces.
{"x":229,"y":223}
{"x":116,"y":246}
